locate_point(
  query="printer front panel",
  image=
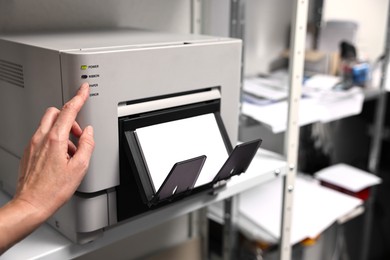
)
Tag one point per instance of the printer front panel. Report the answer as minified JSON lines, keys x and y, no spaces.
{"x":127,"y":75}
{"x":123,"y":76}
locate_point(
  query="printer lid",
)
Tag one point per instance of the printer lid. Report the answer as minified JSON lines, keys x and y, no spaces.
{"x":108,"y":38}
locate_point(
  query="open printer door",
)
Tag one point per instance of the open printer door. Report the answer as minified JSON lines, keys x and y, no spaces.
{"x":169,"y":154}
{"x":180,"y":180}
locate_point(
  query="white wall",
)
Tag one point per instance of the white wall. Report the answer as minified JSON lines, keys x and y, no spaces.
{"x":268,"y":21}
{"x":216,"y":17}
{"x":267,"y":24}
{"x":267,"y":33}
{"x":20,"y":15}
{"x":371,"y":16}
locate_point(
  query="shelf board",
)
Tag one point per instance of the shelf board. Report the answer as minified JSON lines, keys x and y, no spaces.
{"x":47,"y":243}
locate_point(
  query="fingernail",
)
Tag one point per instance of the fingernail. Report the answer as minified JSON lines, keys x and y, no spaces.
{"x":89,"y":130}
{"x":84,"y":85}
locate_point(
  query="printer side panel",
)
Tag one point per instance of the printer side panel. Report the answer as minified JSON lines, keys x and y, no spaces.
{"x":141,"y":73}
{"x":30,"y":83}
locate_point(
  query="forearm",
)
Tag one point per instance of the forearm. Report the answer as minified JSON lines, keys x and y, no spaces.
{"x":51,"y":169}
{"x":17,"y":220}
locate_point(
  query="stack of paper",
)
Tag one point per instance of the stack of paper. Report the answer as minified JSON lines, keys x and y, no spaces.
{"x":274,"y":115}
{"x":321,"y":103}
{"x":348,"y":177}
{"x":267,"y":88}
{"x":167,"y":143}
{"x":315,"y":208}
{"x":321,"y":82}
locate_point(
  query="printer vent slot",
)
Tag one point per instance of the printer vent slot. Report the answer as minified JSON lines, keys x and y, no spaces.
{"x":12,"y":73}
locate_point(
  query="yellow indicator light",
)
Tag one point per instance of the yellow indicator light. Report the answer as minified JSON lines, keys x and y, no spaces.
{"x":84,"y":67}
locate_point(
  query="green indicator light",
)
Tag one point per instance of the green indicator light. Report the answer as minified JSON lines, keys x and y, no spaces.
{"x":84,"y":67}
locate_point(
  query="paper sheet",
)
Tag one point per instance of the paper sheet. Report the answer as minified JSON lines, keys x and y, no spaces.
{"x":343,"y":106}
{"x":275,"y":115}
{"x":315,"y":208}
{"x":165,"y":144}
{"x":348,"y":177}
{"x":331,"y":105}
{"x":271,"y":89}
{"x":322,"y":82}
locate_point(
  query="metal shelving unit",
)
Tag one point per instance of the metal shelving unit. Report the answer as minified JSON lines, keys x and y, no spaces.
{"x":297,"y":43}
{"x":297,"y":51}
{"x":380,"y":95}
{"x":297,"y":56}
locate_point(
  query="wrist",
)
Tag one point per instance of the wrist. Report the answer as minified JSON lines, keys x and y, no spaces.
{"x":24,"y":207}
{"x":18,"y":219}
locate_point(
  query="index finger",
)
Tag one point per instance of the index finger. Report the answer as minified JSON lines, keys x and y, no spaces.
{"x":69,"y":112}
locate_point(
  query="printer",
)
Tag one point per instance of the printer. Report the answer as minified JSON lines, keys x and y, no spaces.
{"x":164,"y":108}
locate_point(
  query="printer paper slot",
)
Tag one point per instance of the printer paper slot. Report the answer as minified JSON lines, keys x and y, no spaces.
{"x":165,"y":144}
{"x":163,"y":154}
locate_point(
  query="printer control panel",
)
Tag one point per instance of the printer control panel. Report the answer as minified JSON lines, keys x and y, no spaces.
{"x":91,"y":73}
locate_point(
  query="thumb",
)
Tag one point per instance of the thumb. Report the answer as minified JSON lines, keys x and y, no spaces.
{"x":80,"y":160}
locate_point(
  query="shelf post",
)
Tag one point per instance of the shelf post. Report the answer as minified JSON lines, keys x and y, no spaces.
{"x":380,"y":112}
{"x":237,"y":30}
{"x":296,"y":64}
{"x":196,"y":16}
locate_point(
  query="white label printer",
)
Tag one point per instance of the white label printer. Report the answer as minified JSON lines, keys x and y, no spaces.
{"x":164,"y":108}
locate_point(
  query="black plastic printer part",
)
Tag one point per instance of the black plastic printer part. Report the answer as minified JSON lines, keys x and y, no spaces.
{"x":136,"y":193}
{"x":136,"y":190}
{"x":239,"y":160}
{"x":180,"y":180}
